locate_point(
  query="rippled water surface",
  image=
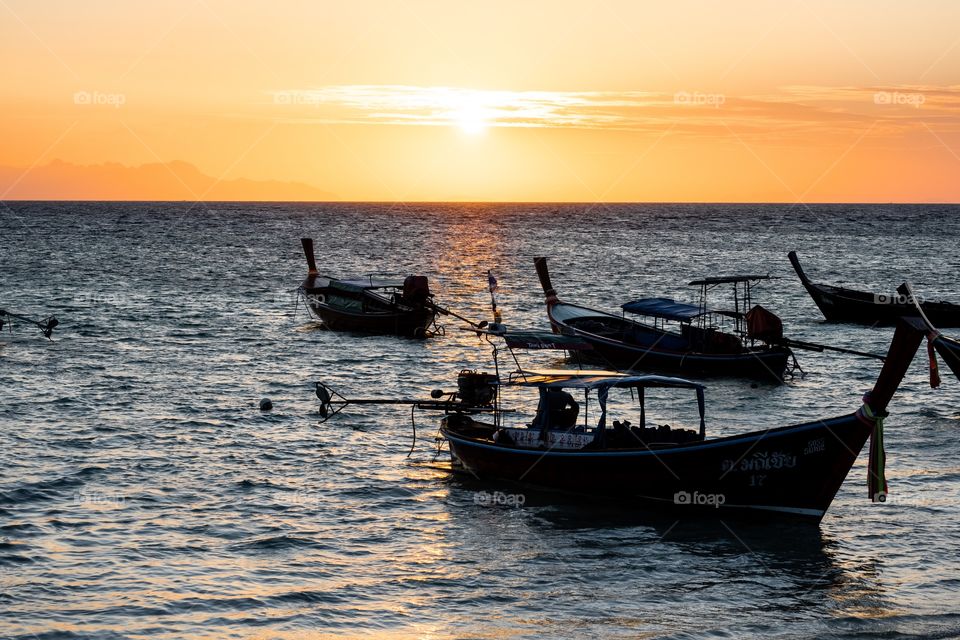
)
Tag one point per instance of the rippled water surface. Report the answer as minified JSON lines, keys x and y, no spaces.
{"x":144,"y":495}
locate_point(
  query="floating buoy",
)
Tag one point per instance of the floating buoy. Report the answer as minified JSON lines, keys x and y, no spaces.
{"x":266,"y":404}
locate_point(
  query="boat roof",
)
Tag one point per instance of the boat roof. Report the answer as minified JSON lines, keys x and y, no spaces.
{"x":361,"y":283}
{"x":663,"y":308}
{"x":565,"y":378}
{"x":543,"y":340}
{"x":726,"y":279}
{"x":533,"y":338}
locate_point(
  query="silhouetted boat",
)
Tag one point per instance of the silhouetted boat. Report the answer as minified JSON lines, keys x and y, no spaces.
{"x":848,"y":305}
{"x":367,"y":305}
{"x":793,"y":470}
{"x":695,"y":347}
{"x":948,"y":348}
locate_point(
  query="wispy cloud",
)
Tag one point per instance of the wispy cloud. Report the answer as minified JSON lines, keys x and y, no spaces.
{"x":793,"y":110}
{"x":445,"y":106}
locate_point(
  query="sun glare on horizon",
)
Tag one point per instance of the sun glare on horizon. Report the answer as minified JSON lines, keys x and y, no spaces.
{"x":547,"y":101}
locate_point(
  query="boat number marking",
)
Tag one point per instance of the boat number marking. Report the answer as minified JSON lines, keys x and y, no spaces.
{"x":760,"y":461}
{"x":819,"y":445}
{"x":756,"y":480}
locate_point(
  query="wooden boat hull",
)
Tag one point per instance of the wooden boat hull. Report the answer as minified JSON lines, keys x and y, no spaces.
{"x":838,"y":304}
{"x":761,"y":363}
{"x":786,"y":471}
{"x":793,"y":471}
{"x":405,"y":322}
{"x":365,"y":305}
{"x":845,"y":305}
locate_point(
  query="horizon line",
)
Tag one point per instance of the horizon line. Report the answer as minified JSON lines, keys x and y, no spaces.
{"x":565,"y":202}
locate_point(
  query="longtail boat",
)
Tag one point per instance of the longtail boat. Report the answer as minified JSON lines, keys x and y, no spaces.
{"x":839,"y":304}
{"x":368,"y":305}
{"x":948,"y":348}
{"x":693,"y":345}
{"x":617,"y":451}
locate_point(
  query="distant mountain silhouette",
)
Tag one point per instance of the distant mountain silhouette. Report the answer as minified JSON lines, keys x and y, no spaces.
{"x":175,"y":180}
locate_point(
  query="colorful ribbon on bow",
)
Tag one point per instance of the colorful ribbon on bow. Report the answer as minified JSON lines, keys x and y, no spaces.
{"x":934,"y":368}
{"x":876,"y":477}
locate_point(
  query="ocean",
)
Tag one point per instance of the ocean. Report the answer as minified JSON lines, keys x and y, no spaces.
{"x":143,"y":494}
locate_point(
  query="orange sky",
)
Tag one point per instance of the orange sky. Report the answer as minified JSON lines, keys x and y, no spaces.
{"x":408,"y":100}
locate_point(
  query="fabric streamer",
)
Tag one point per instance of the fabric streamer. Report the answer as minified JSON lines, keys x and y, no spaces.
{"x":934,"y":367}
{"x":876,"y":476}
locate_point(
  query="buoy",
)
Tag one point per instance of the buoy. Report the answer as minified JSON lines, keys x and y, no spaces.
{"x":266,"y":404}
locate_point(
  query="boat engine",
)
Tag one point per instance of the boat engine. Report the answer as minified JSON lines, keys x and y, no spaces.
{"x":416,"y":289}
{"x":476,"y":388}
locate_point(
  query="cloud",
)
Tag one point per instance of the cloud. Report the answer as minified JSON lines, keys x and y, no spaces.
{"x":793,"y":110}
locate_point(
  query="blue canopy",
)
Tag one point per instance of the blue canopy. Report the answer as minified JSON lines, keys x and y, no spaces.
{"x":663,"y":308}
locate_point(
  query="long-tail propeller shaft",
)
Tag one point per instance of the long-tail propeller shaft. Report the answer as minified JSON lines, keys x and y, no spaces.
{"x":46,"y":325}
{"x":332,"y":403}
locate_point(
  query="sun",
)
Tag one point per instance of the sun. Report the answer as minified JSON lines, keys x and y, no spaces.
{"x":471,"y":118}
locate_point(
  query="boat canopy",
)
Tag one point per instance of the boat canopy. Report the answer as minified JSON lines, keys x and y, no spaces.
{"x":360,"y":284}
{"x":727,"y":279}
{"x":602,"y":382}
{"x":664,"y":308}
{"x":576,"y":379}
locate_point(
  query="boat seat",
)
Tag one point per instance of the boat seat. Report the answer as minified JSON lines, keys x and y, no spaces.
{"x":712,"y":340}
{"x":625,"y":436}
{"x":599,"y":327}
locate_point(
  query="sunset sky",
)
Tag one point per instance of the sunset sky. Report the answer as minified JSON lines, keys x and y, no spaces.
{"x":410,"y":100}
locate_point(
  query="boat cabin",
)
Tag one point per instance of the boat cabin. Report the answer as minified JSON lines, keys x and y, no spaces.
{"x":574,"y":411}
{"x":705,"y":329}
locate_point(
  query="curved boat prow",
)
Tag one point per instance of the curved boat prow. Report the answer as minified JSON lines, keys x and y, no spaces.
{"x":795,"y":261}
{"x":544,"y":275}
{"x":948,"y":348}
{"x":308,"y":252}
{"x":906,"y":342}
